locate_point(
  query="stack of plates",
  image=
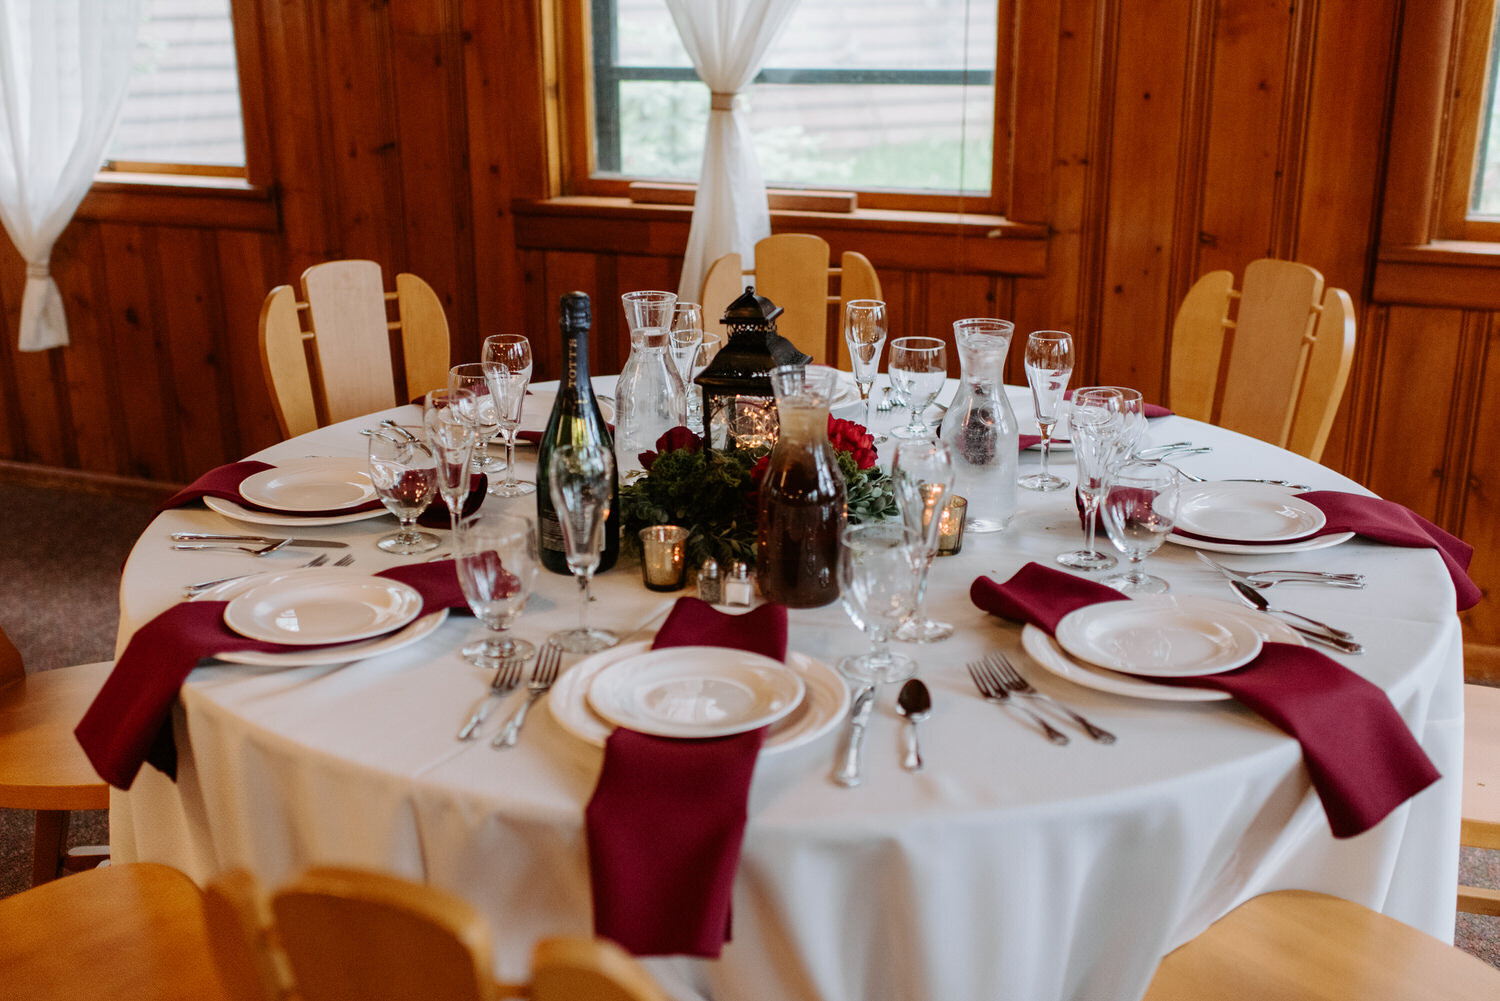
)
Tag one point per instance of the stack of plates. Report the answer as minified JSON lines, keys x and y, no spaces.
{"x":339,"y":489}
{"x":1250,"y":518}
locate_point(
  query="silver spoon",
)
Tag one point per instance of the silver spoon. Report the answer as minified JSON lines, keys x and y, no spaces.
{"x":915,"y":703}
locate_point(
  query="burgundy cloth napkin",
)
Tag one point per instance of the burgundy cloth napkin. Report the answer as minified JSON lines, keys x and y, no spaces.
{"x":129,"y":722}
{"x":224,"y":482}
{"x":1360,"y":754}
{"x":1385,"y":521}
{"x":667,"y":818}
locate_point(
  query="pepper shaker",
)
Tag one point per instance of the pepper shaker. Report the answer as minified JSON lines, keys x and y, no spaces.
{"x":710,"y":584}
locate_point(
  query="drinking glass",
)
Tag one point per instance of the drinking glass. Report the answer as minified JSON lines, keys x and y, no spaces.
{"x":918,"y":367}
{"x":1049,"y":363}
{"x":864,"y":333}
{"x":1095,"y":420}
{"x":404,"y":472}
{"x":922,"y":478}
{"x":483,"y":418}
{"x":879,"y":564}
{"x":1132,"y":421}
{"x":686,"y":341}
{"x":507,"y":370}
{"x":580,"y":479}
{"x":496,"y":562}
{"x":451,"y":437}
{"x":1139,"y":509}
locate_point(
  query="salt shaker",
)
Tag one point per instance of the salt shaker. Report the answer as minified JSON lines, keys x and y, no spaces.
{"x":739,"y":589}
{"x":710,"y":584}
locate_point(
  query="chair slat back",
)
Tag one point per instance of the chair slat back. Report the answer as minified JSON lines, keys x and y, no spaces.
{"x":424,"y":336}
{"x":1279,"y":306}
{"x":1198,"y":336}
{"x":351,"y":337}
{"x":857,"y":280}
{"x":285,"y":364}
{"x":1328,"y":365}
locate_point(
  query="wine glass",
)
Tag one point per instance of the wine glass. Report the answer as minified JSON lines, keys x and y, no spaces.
{"x":404,"y":472}
{"x":879,"y":565}
{"x":483,"y":418}
{"x":1095,"y":420}
{"x":922,"y":478}
{"x":864,"y":333}
{"x":1132,"y":421}
{"x":580,"y":478}
{"x":918,"y":367}
{"x":507,"y":370}
{"x":1139,"y":509}
{"x":452,"y":440}
{"x":686,"y":338}
{"x":496,"y":561}
{"x":1049,"y":363}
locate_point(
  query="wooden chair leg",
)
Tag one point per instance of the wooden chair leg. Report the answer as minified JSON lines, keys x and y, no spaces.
{"x":49,"y":845}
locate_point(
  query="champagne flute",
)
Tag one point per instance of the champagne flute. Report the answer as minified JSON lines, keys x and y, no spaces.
{"x":864,"y":333}
{"x":1132,"y":421}
{"x":451,"y":436}
{"x":918,"y":368}
{"x":496,"y":564}
{"x":686,"y":340}
{"x":879,"y":563}
{"x":922,"y":476}
{"x":1139,"y":509}
{"x":482,"y":418}
{"x":1049,"y":363}
{"x":507,"y":371}
{"x":1095,"y":420}
{"x":404,"y":472}
{"x":580,"y":479}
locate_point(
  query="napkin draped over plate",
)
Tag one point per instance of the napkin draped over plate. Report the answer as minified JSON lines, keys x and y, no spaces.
{"x":667,"y":817}
{"x":129,"y":722}
{"x":1360,"y":754}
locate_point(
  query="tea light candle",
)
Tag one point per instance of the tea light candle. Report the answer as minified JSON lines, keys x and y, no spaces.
{"x":664,"y":557}
{"x":951,"y":526}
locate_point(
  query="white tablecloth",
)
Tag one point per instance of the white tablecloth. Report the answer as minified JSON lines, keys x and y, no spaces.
{"x":1009,"y":868}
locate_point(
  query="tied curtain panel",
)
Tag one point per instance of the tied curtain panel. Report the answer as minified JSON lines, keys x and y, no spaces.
{"x":727,"y":41}
{"x":64,"y":67}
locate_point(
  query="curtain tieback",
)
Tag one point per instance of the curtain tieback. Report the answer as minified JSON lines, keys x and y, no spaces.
{"x":38,"y":271}
{"x":721,"y":100}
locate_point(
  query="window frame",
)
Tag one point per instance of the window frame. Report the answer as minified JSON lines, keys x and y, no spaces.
{"x":1473,"y":24}
{"x":573,"y":111}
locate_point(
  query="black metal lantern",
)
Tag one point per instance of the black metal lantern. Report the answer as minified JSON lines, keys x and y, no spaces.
{"x":739,"y":406}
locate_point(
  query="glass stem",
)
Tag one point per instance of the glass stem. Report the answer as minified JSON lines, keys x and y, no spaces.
{"x":1091,"y":515}
{"x":1046,"y":447}
{"x":583,"y":606}
{"x":510,"y":457}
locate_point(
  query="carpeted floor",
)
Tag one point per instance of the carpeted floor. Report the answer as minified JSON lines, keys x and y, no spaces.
{"x":59,"y":582}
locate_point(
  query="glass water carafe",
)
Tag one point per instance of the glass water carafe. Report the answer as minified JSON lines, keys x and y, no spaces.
{"x":649,"y":396}
{"x":980,"y":427}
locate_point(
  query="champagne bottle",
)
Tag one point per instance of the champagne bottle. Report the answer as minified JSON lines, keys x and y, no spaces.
{"x":575,"y":420}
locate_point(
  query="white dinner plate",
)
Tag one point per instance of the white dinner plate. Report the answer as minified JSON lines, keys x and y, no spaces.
{"x":695,"y":691}
{"x":1245,"y":549}
{"x":407,"y":635}
{"x":1246,"y":513}
{"x":845,"y":389}
{"x":311,"y":484}
{"x":823,"y":705}
{"x":1157,"y":636}
{"x":314,"y":607}
{"x":239,"y":512}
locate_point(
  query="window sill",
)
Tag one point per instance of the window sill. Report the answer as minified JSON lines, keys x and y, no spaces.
{"x":181,"y":200}
{"x":980,"y":242}
{"x":1449,"y":273}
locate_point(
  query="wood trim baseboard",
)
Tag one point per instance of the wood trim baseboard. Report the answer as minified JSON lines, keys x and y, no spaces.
{"x":1482,"y":663}
{"x":107,"y":484}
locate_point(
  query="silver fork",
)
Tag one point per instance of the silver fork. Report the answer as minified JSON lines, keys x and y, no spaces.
{"x":993,"y":690}
{"x":507,"y":677}
{"x":885,"y":404}
{"x":204,"y":585}
{"x":542,"y":677}
{"x":1012,"y":680}
{"x":344,"y":561}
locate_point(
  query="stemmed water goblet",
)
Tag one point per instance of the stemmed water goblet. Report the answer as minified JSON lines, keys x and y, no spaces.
{"x":918,"y":368}
{"x":686,"y":341}
{"x":580,"y":478}
{"x":403,"y":470}
{"x":1096,"y":422}
{"x":483,"y":417}
{"x":878,"y":570}
{"x":922,"y":478}
{"x":496,"y":561}
{"x":864,"y":333}
{"x":1049,"y":363}
{"x":507,"y":371}
{"x":1139,"y":509}
{"x":451,"y":438}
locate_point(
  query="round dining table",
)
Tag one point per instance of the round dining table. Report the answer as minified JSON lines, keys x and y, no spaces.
{"x":1009,"y":867}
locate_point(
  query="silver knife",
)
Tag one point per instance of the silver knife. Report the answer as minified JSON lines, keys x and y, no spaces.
{"x":847,"y":771}
{"x":209,"y":537}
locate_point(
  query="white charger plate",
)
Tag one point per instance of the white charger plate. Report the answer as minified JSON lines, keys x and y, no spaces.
{"x":1246,"y":513}
{"x":311,"y":484}
{"x":419,"y":629}
{"x":695,"y":691}
{"x":239,"y":512}
{"x":1157,"y":637}
{"x":824,"y":702}
{"x":1244,"y":549}
{"x":316,"y":607}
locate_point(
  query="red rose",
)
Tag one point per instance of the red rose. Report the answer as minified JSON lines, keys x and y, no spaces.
{"x":847,"y":436}
{"x":676,"y":439}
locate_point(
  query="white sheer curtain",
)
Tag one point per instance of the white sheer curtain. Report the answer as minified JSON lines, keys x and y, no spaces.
{"x":727,"y":40}
{"x":64,"y":65}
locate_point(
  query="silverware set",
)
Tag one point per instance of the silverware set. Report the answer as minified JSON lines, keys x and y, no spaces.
{"x":999,"y":682}
{"x":507,"y":679}
{"x":1248,"y":587}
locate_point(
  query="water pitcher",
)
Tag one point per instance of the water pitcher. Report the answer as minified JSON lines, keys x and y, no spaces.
{"x":649,"y":396}
{"x":980,"y":427}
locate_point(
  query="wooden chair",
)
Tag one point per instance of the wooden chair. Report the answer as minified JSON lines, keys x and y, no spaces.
{"x":330,"y":356}
{"x":1294,"y":945}
{"x":1278,"y":368}
{"x":792,"y":270}
{"x":42,"y":768}
{"x":121,"y":933}
{"x":1481,"y":796}
{"x":334,"y":934}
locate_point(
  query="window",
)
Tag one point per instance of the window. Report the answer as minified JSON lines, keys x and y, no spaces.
{"x":182,"y":111}
{"x":1470,"y":195}
{"x":894,"y":99}
{"x":1484,"y":199}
